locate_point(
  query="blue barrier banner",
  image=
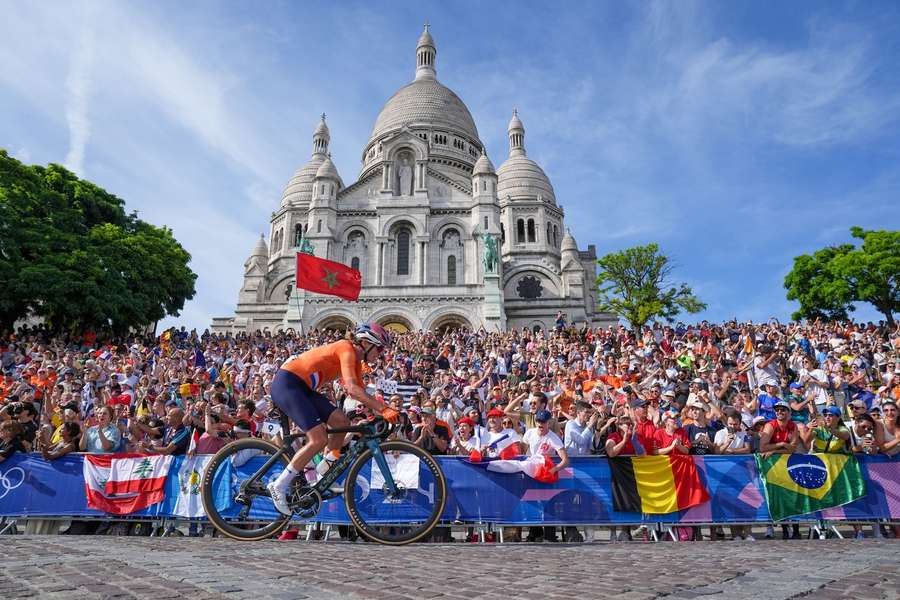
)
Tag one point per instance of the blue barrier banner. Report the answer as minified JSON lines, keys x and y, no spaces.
{"x":31,"y":486}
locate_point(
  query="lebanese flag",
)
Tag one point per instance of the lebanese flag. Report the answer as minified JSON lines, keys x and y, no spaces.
{"x":327,"y":277}
{"x":97,"y":470}
{"x":136,"y":474}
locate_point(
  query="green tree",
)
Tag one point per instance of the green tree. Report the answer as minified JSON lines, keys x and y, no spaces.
{"x":72,"y":255}
{"x":634,"y":284}
{"x":828,"y":283}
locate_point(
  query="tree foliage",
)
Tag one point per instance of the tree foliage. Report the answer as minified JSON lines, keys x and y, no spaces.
{"x":634,"y":284}
{"x":71,"y":254}
{"x":828,"y":283}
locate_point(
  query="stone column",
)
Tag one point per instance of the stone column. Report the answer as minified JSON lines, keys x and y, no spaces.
{"x":379,"y":272}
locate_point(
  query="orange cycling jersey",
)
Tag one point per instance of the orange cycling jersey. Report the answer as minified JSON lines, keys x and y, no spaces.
{"x":327,"y":363}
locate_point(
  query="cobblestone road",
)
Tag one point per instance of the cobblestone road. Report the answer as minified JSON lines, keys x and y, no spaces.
{"x":123,"y":567}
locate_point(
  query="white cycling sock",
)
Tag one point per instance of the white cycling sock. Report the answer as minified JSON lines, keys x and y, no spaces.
{"x":283,"y":482}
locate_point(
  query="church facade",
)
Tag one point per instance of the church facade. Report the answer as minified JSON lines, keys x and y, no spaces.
{"x":439,"y":236}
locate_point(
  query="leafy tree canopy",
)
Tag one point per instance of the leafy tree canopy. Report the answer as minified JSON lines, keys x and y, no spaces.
{"x":634,"y":284}
{"x":71,"y":254}
{"x":831,"y":280}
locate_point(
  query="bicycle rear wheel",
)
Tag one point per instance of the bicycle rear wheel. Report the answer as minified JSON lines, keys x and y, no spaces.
{"x":239,"y":509}
{"x":404,"y":515}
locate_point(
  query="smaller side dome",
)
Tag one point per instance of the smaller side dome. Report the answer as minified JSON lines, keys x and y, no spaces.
{"x":483,"y":165}
{"x":322,"y":129}
{"x":327,"y":170}
{"x":568,"y":243}
{"x":261,"y":249}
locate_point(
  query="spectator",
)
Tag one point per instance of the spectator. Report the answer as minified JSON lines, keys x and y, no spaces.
{"x":701,"y":432}
{"x":69,"y":433}
{"x":670,"y":438}
{"x":176,"y":439}
{"x":829,"y":435}
{"x":891,"y":423}
{"x":104,"y":437}
{"x":541,"y":441}
{"x":10,"y":439}
{"x":732,"y":440}
{"x":579,"y":432}
{"x":431,"y":437}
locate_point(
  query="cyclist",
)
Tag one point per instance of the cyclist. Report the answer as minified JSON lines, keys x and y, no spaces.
{"x":294,"y":391}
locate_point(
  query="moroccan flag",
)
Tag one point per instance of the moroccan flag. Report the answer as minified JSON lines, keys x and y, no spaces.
{"x":327,"y":277}
{"x":656,"y":484}
{"x":797,"y":484}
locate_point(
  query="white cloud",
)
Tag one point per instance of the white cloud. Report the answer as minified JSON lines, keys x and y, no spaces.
{"x":78,"y":87}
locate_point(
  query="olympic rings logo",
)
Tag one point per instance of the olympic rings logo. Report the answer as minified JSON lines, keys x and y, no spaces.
{"x":9,"y":482}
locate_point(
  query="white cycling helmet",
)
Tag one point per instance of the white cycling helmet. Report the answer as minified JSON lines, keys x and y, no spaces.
{"x":373,"y":333}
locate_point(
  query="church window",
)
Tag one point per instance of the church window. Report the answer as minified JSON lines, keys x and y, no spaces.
{"x":298,"y":234}
{"x":502,"y":233}
{"x":555,"y":236}
{"x":549,"y":232}
{"x":354,"y":263}
{"x":485,"y":221}
{"x":529,"y":288}
{"x":322,"y":189}
{"x":319,"y":226}
{"x":531,"y":230}
{"x":520,"y":231}
{"x":451,"y":270}
{"x":403,"y":252}
{"x":483,"y":185}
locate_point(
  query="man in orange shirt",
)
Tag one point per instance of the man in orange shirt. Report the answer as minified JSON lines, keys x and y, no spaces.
{"x":295,"y":391}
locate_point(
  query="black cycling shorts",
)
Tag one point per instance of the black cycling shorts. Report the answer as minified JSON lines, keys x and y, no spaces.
{"x":303,"y":405}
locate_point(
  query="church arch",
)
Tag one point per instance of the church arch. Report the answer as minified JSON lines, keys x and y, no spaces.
{"x":444,"y":318}
{"x":452,"y":256}
{"x":396,"y":319}
{"x":334,"y":321}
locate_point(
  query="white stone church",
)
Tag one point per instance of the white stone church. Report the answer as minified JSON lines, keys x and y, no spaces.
{"x":419,"y":224}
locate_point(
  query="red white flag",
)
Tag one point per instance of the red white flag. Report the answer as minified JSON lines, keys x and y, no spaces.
{"x":536,"y":467}
{"x":327,"y":277}
{"x":137,"y":474}
{"x":97,"y":472}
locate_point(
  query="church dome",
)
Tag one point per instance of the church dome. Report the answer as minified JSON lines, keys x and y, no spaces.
{"x":425,"y":102}
{"x":483,"y":165}
{"x":328,"y":170}
{"x":300,"y":188}
{"x":260,"y":249}
{"x":520,"y":176}
{"x":568,"y":243}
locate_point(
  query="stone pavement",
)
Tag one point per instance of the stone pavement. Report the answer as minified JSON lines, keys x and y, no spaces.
{"x":131,"y":567}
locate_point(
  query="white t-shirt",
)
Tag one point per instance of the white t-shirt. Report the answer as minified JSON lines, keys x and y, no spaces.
{"x":511,"y":438}
{"x":539,"y":445}
{"x":739,"y":441}
{"x":765,"y":375}
{"x":818,"y":381}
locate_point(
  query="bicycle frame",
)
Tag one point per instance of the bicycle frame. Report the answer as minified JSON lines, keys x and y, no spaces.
{"x":323,"y":486}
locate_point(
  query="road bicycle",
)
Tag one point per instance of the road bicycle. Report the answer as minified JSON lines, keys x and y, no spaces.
{"x":394,"y":492}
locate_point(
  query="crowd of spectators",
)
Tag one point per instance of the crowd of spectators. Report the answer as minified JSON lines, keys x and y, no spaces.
{"x":729,"y":388}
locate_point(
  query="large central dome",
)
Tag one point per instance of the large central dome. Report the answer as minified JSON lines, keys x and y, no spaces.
{"x":425,"y":102}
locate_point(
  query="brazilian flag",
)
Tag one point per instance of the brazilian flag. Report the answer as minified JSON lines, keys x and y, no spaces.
{"x":797,"y":484}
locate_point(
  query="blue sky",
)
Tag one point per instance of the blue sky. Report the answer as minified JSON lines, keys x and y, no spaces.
{"x":736,"y":135}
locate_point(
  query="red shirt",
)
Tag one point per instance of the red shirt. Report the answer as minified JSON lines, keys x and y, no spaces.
{"x":782,"y":434}
{"x":645,"y":431}
{"x":615,"y":437}
{"x":661,"y":439}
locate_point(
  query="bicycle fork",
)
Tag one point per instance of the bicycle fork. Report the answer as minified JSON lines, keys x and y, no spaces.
{"x":381,"y":461}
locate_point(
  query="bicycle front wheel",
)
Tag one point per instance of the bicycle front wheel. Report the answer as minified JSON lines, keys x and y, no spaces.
{"x":401,"y":513}
{"x":237,"y":507}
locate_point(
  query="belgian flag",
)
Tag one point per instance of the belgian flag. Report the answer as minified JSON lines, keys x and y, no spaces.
{"x":656,"y":484}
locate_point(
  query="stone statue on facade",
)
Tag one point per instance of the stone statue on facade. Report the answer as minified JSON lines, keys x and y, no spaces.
{"x":404,"y":173}
{"x":306,"y":246}
{"x":490,"y":253}
{"x":287,"y":291}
